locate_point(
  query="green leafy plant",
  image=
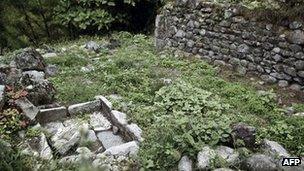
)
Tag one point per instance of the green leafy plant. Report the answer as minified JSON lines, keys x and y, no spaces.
{"x":10,"y":122}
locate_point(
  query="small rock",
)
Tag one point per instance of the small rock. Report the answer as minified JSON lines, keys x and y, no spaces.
{"x":301,"y":114}
{"x":185,"y":164}
{"x":295,"y":87}
{"x":106,"y":105}
{"x":38,"y":146}
{"x":32,"y":77}
{"x":115,"y":130}
{"x":245,"y":133}
{"x":268,"y":79}
{"x":92,"y":46}
{"x":296,"y":37}
{"x":223,"y":169}
{"x":259,"y":162}
{"x":51,"y":70}
{"x":108,"y":139}
{"x":28,"y":109}
{"x":283,"y":83}
{"x":295,"y":25}
{"x":49,"y":55}
{"x":205,"y":157}
{"x":53,"y":127}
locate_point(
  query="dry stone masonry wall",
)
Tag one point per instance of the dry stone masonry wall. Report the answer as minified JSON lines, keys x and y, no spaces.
{"x":222,"y":35}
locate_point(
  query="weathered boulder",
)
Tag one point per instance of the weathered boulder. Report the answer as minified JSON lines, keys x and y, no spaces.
{"x":51,"y":70}
{"x":274,"y":149}
{"x":244,"y":133}
{"x":205,"y":158}
{"x":32,"y":77}
{"x":259,"y":162}
{"x":30,"y":59}
{"x":185,"y":164}
{"x":28,"y":109}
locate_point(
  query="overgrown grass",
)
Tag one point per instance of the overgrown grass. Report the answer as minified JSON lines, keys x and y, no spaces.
{"x":181,"y":104}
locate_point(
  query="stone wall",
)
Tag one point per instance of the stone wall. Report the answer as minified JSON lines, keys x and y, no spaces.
{"x":224,"y":35}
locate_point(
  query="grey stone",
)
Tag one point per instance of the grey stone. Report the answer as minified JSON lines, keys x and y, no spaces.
{"x":86,"y":107}
{"x":108,"y":139}
{"x":291,"y":71}
{"x":30,"y":59}
{"x":223,"y":169}
{"x":268,"y":79}
{"x":296,"y":37}
{"x":65,"y":139}
{"x":299,"y":65}
{"x":135,"y":132}
{"x":126,"y":149}
{"x":98,"y":122}
{"x":219,"y":63}
{"x":205,"y":158}
{"x":244,"y":132}
{"x":3,"y":78}
{"x":32,"y":77}
{"x":52,"y":114}
{"x":119,"y":118}
{"x":259,"y":162}
{"x":295,"y":25}
{"x":185,"y":164}
{"x":28,"y":109}
{"x":190,"y":43}
{"x":180,"y":34}
{"x":276,"y":50}
{"x":274,"y":149}
{"x":301,"y":74}
{"x":295,"y":87}
{"x":2,"y":96}
{"x":243,"y":48}
{"x":277,"y":57}
{"x":283,"y":83}
{"x":92,"y":46}
{"x":49,"y":55}
{"x":51,"y":70}
{"x":228,"y":154}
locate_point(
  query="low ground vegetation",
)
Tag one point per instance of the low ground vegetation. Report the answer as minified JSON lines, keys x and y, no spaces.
{"x":181,"y":104}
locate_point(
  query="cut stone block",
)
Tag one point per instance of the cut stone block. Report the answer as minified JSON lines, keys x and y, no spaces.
{"x":127,"y":149}
{"x":108,"y":139}
{"x":28,"y":109}
{"x":119,"y":118}
{"x":87,"y":107}
{"x":106,"y":105}
{"x":51,"y":115}
{"x":135,"y":132}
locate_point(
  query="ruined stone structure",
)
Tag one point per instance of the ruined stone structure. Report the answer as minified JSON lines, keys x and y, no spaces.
{"x":223,"y":35}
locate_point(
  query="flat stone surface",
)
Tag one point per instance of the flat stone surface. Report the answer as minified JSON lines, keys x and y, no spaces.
{"x":126,"y":149}
{"x":98,"y":122}
{"x":53,"y":127}
{"x":108,"y":139}
{"x":185,"y":164}
{"x":52,"y":114}
{"x":274,"y":149}
{"x":84,"y":108}
{"x":135,"y":131}
{"x":28,"y":109}
{"x":65,"y":139}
